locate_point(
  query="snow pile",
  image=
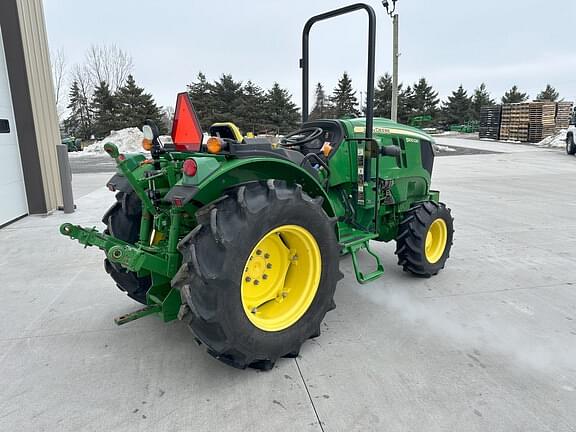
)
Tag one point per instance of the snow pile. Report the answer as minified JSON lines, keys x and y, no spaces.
{"x":558,"y":140}
{"x":127,"y":140}
{"x":441,"y":148}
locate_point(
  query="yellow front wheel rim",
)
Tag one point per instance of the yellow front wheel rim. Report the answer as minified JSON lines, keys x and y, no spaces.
{"x":436,"y":241}
{"x":281,"y":278}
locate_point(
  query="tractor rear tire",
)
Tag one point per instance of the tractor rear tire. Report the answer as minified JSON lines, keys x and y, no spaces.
{"x":122,"y":221}
{"x":259,"y":273}
{"x":425,"y":238}
{"x":570,"y":145}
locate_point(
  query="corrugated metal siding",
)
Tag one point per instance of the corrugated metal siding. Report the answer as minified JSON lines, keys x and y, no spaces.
{"x":42,"y":95}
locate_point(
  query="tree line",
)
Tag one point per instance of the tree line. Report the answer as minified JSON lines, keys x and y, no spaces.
{"x":273,"y":110}
{"x":419,"y":99}
{"x":106,"y":110}
{"x":250,"y":107}
{"x":103,"y":96}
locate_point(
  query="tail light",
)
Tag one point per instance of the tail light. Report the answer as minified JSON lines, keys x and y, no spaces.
{"x":190,"y":167}
{"x":186,"y":130}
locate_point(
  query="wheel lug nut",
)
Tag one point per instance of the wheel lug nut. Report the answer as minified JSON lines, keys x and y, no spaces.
{"x":268,"y":266}
{"x":267,"y":255}
{"x":265,"y":276}
{"x":256,"y":282}
{"x":248,"y":279}
{"x":258,"y":252}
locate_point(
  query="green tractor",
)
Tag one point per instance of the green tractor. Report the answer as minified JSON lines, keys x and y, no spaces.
{"x":420,"y":121}
{"x":241,"y":238}
{"x":73,"y":144}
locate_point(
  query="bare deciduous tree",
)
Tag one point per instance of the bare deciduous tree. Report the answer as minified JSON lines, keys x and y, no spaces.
{"x":167,"y":116}
{"x":108,"y":63}
{"x":59,"y":72}
{"x":81,"y":74}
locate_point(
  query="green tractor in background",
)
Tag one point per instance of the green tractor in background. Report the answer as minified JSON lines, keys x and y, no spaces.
{"x":73,"y":144}
{"x":471,"y":126}
{"x":420,"y":121}
{"x":241,"y":238}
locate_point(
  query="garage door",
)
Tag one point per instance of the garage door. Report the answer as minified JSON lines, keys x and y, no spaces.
{"x":12,"y":192}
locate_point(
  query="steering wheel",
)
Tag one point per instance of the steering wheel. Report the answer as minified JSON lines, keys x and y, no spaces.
{"x":301,"y":136}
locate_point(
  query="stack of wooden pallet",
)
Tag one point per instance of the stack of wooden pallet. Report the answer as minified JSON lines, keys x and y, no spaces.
{"x":542,"y":120}
{"x":490,"y":121}
{"x":563,"y":115}
{"x":515,"y":122}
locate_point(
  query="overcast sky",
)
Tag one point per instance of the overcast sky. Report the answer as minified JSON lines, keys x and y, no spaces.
{"x":450,"y":42}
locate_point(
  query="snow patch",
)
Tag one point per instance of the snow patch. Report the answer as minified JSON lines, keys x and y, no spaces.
{"x":127,"y":140}
{"x":554,"y":141}
{"x":441,"y":148}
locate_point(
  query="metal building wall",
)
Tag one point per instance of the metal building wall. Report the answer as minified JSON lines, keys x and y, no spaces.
{"x":42,"y":96}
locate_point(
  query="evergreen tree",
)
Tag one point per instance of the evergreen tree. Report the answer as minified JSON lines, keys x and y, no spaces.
{"x":456,"y":109}
{"x":383,"y":97}
{"x":344,"y":98}
{"x":251,"y":108}
{"x":424,"y":99}
{"x":480,"y":98}
{"x":514,"y":96}
{"x":79,"y":122}
{"x":281,"y":113}
{"x":406,"y":108}
{"x":548,"y":94}
{"x":200,"y":93}
{"x":135,"y":106}
{"x":226,"y":95}
{"x":322,"y":107}
{"x":104,"y":110}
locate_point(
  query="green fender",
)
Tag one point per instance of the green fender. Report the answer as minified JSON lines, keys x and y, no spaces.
{"x":216,"y":175}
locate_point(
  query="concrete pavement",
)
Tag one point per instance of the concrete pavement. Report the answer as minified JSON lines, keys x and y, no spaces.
{"x":487,"y":345}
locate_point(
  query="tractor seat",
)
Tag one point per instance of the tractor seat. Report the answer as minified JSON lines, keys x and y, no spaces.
{"x":226,"y":130}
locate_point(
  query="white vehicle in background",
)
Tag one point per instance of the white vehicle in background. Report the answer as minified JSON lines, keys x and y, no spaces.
{"x":571,"y":135}
{"x":571,"y":138}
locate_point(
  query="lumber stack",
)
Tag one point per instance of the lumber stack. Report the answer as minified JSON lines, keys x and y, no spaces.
{"x":563,"y":115}
{"x":490,"y":121}
{"x":542,"y":120}
{"x":515,"y":122}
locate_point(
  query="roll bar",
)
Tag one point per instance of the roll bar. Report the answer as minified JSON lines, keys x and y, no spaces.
{"x":304,"y":63}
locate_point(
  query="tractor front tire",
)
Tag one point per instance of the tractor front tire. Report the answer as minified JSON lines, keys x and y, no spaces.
{"x":122,"y":221}
{"x":570,"y":145}
{"x":425,"y":238}
{"x":259,"y":273}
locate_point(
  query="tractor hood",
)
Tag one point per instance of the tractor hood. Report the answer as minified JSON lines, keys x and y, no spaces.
{"x":383,"y":126}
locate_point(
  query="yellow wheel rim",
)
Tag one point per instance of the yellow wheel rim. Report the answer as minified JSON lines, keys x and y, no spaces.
{"x":281,"y":278}
{"x":436,"y":241}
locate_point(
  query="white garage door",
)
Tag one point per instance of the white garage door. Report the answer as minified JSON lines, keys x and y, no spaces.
{"x":12,"y":192}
